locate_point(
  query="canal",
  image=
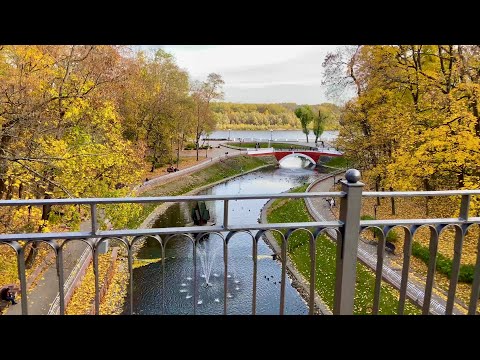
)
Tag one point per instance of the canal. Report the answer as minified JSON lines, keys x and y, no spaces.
{"x":174,"y":293}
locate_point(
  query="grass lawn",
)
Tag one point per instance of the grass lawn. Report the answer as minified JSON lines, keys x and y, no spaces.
{"x":338,"y":162}
{"x":294,"y":210}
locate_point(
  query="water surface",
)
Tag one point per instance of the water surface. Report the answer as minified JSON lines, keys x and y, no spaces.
{"x":178,"y":297}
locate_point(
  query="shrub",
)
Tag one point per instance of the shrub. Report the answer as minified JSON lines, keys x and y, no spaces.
{"x":190,"y":146}
{"x":443,"y":264}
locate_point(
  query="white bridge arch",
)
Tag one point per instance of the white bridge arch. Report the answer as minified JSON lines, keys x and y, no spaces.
{"x":298,"y":154}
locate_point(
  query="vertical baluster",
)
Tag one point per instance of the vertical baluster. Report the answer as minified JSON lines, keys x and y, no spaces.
{"x":433,"y":246}
{"x":130,"y":270}
{"x":93,"y":216}
{"x":284,"y":274}
{"x":254,"y":281}
{"x":378,"y":272}
{"x":472,"y":306}
{"x":61,"y":282}
{"x":225,"y":271}
{"x":407,"y":253}
{"x":225,"y":214}
{"x":457,"y":255}
{"x":97,"y":285}
{"x":163,"y":277}
{"x":195,"y":277}
{"x":313,"y":268}
{"x":23,"y":278}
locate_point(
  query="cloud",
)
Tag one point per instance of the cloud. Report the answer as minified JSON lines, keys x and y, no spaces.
{"x":259,"y":73}
{"x":300,"y":94}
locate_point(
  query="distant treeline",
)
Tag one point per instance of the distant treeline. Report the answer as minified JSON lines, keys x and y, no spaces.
{"x":268,"y":116}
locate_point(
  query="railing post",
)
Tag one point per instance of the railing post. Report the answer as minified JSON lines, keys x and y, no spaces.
{"x":347,"y":245}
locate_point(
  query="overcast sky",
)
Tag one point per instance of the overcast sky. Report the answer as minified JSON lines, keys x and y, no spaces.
{"x":258,"y":73}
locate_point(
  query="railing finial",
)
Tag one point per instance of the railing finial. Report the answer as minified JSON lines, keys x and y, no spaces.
{"x":352,"y":176}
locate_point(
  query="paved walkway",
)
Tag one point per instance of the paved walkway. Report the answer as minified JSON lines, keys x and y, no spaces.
{"x":367,"y":253}
{"x":43,"y":294}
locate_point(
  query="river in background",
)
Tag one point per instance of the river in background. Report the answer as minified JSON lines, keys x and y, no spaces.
{"x":275,"y":135}
{"x":177,"y":296}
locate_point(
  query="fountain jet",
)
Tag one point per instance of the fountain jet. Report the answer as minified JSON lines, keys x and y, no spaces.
{"x":207,"y":253}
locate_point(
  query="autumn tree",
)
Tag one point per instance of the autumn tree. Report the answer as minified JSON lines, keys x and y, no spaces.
{"x":60,"y":133}
{"x":414,"y":122}
{"x":306,"y":116}
{"x":203,"y":93}
{"x":80,"y":121}
{"x":154,"y":105}
{"x":319,"y":124}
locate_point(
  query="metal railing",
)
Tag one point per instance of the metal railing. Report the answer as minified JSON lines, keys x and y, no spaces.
{"x":347,"y":229}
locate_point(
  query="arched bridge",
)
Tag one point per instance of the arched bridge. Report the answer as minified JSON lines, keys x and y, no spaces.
{"x":312,"y":155}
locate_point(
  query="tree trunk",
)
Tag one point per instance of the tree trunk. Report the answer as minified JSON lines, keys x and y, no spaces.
{"x":4,"y":142}
{"x":197,"y":135}
{"x":477,"y":115}
{"x":461,"y":179}
{"x":154,"y":160}
{"x":427,"y":188}
{"x":377,"y":188}
{"x":2,"y":187}
{"x":9,"y":190}
{"x":178,"y":152}
{"x":306,"y":135}
{"x":392,"y":199}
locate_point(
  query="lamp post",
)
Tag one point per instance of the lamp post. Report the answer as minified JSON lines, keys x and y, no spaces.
{"x":271,"y":137}
{"x":229,"y":134}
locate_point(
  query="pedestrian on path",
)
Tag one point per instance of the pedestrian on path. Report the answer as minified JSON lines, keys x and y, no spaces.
{"x":8,"y":295}
{"x":331,"y":203}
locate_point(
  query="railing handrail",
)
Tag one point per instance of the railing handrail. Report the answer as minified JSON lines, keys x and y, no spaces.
{"x":184,"y":198}
{"x":164,"y":231}
{"x":158,"y":199}
{"x":434,"y":221}
{"x":419,"y":193}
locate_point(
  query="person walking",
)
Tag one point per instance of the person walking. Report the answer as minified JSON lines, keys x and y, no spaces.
{"x":331,"y":203}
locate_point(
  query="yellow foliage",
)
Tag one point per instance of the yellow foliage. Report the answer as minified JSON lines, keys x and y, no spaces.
{"x":84,"y":295}
{"x":114,"y":300}
{"x":144,"y":262}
